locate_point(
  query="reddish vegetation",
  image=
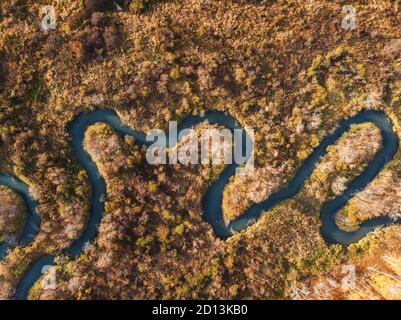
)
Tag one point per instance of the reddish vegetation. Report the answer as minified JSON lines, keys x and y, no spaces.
{"x":12,"y":214}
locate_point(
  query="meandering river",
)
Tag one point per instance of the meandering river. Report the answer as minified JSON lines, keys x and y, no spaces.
{"x":212,"y":201}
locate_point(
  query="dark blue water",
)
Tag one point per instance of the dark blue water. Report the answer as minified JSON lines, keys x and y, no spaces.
{"x":212,"y":200}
